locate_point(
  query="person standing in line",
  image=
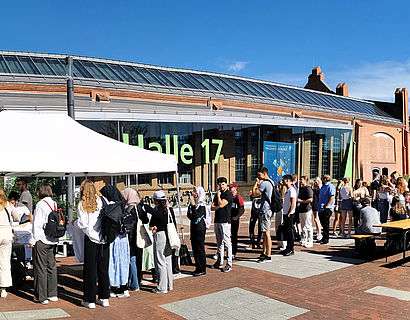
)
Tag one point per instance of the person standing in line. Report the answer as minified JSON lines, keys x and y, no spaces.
{"x":44,"y":260}
{"x":279,"y":218}
{"x":296,"y":220}
{"x":222,"y":205}
{"x":289,"y":206}
{"x":326,"y":206}
{"x":133,"y":206}
{"x":96,"y":252}
{"x":119,"y":263}
{"x":161,"y":216}
{"x":25,"y":197}
{"x":8,"y":214}
{"x":305,"y":199}
{"x":385,"y":188}
{"x":264,"y":186}
{"x":359,"y":193}
{"x":316,"y":185}
{"x":238,"y":209}
{"x":337,"y":211}
{"x":255,"y":211}
{"x":197,"y":214}
{"x":346,"y":206}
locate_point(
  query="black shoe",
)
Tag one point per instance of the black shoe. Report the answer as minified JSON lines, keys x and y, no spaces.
{"x":198,"y":274}
{"x":288,"y":253}
{"x":216,"y":265}
{"x":324,"y":241}
{"x":262,"y":256}
{"x":227,"y":268}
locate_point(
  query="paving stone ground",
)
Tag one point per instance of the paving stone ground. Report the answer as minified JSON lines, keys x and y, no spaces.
{"x":327,"y":281}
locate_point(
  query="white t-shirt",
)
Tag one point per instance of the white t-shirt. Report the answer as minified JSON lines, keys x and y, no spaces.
{"x":287,"y":201}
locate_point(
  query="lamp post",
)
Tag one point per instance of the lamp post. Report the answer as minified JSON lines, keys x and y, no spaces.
{"x":70,"y":109}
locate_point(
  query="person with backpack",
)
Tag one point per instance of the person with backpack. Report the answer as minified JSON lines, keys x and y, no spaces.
{"x":119,"y":262}
{"x":197,"y":214}
{"x":8,"y":214}
{"x":44,"y":260}
{"x":134,"y":212}
{"x":264,"y":186}
{"x":162,"y":215}
{"x":238,"y":209}
{"x":96,"y":251}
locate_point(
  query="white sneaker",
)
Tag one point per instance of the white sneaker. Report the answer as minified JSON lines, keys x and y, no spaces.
{"x":42,"y":302}
{"x":103,"y":302}
{"x":215,"y":257}
{"x":309,"y":244}
{"x":126,"y":293}
{"x":319,"y":237}
{"x":302,"y":243}
{"x":282,"y":248}
{"x":3,"y":293}
{"x":112,"y":294}
{"x":53,"y":299}
{"x":89,"y":305}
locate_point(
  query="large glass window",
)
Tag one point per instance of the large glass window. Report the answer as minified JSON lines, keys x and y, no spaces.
{"x":240,"y":156}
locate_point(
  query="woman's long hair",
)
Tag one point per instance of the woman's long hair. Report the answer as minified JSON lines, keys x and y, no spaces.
{"x":88,"y":196}
{"x":3,"y":199}
{"x":356,"y":184}
{"x":401,"y":186}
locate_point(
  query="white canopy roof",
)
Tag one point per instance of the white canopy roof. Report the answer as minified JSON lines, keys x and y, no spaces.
{"x":52,"y":145}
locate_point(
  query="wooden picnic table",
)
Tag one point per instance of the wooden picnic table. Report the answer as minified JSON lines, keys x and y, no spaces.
{"x":402,"y":225}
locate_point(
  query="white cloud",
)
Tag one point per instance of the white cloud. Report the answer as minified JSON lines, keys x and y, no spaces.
{"x":237,"y":66}
{"x":374,"y":81}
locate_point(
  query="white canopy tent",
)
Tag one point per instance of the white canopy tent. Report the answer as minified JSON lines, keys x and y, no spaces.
{"x":36,"y":144}
{"x":54,"y":145}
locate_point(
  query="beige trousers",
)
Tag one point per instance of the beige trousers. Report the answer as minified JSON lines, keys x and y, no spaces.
{"x":6,"y":240}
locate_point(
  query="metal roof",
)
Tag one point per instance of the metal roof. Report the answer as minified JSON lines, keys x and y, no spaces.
{"x":105,"y":73}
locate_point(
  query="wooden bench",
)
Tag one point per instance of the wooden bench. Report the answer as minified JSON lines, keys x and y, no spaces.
{"x":365,"y":243}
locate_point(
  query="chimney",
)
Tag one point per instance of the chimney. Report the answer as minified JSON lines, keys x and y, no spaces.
{"x":316,"y":81}
{"x":342,"y":89}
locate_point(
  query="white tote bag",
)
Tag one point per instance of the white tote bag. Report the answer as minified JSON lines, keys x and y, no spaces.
{"x":143,"y":237}
{"x":173,"y":237}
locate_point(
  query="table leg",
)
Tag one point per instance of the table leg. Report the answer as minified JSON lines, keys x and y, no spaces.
{"x":404,"y":244}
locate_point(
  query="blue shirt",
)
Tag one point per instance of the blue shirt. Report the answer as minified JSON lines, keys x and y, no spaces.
{"x":325,"y":193}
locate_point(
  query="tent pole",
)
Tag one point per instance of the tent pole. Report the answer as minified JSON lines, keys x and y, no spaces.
{"x":179,"y":206}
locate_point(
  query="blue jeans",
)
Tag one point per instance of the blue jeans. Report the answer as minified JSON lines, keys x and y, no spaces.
{"x":133,"y":275}
{"x":384,"y":210}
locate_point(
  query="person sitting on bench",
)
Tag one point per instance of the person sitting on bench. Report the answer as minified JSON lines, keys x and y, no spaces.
{"x":368,"y":218}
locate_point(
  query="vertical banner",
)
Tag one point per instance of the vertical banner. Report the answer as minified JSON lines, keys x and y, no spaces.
{"x":279,"y":158}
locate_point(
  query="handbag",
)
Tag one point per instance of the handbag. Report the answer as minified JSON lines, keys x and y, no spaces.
{"x":172,"y":233}
{"x":143,"y":238}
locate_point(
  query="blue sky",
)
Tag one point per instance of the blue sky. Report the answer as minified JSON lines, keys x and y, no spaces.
{"x":363,"y":43}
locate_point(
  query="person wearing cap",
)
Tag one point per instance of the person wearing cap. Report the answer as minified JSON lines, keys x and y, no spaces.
{"x":161,"y":215}
{"x":369,"y":216}
{"x":238,"y":209}
{"x":222,"y":205}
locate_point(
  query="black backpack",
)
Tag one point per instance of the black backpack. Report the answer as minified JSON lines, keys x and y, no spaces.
{"x":128,"y":221}
{"x":111,"y":220}
{"x":56,"y":223}
{"x":276,"y":202}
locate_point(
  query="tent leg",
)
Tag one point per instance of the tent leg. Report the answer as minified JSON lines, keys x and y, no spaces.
{"x":70,"y":197}
{"x":179,"y":206}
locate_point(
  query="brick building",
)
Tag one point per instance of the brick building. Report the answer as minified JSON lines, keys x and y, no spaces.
{"x":216,"y":124}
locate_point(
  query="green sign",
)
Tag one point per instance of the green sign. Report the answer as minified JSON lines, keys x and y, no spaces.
{"x":185,"y":153}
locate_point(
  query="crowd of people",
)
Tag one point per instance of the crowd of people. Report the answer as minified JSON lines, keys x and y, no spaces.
{"x":113,"y":268}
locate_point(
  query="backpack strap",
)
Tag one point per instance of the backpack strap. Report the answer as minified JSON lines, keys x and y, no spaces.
{"x":8,"y":215}
{"x":273,"y":186}
{"x":55,"y":208}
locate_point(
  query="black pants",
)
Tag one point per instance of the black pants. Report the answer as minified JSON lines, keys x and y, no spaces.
{"x":198,"y":248}
{"x":45,"y":271}
{"x":96,"y":259}
{"x":138,"y":262}
{"x":252,"y":223}
{"x":288,"y":231}
{"x":324,"y":218}
{"x":234,"y":235}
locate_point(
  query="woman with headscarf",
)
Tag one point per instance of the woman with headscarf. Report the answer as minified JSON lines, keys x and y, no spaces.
{"x":119,"y":263}
{"x":136,"y":211}
{"x":161,"y":216}
{"x":197,"y":215}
